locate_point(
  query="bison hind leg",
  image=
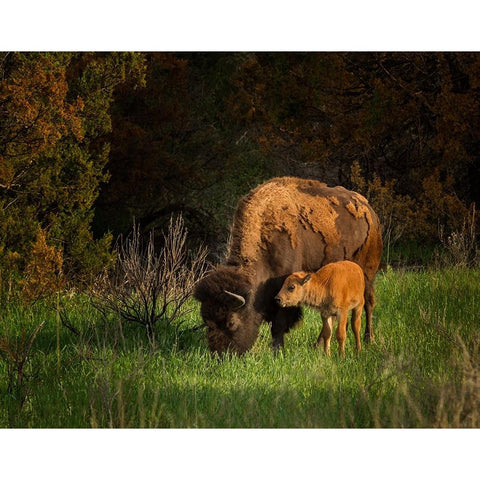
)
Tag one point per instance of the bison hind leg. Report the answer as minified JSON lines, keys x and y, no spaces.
{"x":368,"y":336}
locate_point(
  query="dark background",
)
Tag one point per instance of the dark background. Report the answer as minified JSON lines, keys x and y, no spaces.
{"x":90,"y":141}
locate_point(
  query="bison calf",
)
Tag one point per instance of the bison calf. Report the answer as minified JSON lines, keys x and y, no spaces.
{"x":333,"y":290}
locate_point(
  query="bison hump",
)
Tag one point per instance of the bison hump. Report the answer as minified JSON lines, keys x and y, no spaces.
{"x":288,"y":205}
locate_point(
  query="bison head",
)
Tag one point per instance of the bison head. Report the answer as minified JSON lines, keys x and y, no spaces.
{"x":225,"y":295}
{"x":292,"y":292}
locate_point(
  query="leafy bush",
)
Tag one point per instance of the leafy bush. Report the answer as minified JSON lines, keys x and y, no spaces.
{"x":53,"y":150}
{"x":396,"y":212}
{"x":43,"y":272}
{"x":437,"y":209}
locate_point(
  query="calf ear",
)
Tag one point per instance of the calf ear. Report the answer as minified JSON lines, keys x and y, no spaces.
{"x":305,"y":279}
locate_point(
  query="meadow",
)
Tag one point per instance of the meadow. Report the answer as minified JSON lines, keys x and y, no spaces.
{"x":64,"y":364}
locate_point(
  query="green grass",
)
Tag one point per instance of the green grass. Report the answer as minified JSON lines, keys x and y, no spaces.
{"x":410,"y":253}
{"x":422,"y":370}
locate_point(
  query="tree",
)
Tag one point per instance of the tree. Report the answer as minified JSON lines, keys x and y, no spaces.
{"x":411,"y":119}
{"x":54,"y":122}
{"x":176,"y":144}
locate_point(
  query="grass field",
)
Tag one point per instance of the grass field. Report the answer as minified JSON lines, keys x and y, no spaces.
{"x":422,"y":371}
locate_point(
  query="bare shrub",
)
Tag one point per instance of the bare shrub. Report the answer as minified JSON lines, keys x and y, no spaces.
{"x":147,"y":286}
{"x":461,"y":247}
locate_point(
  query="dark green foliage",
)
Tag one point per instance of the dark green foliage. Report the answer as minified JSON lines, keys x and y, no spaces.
{"x":179,"y":147}
{"x":208,"y":127}
{"x":161,"y":133}
{"x":54,"y":126}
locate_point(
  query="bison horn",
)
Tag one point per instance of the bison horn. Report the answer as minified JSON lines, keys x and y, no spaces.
{"x":238,"y":297}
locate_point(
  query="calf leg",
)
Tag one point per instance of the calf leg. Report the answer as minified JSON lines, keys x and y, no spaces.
{"x":326,"y":334}
{"x":341,"y":332}
{"x":368,"y":336}
{"x":356,"y":323}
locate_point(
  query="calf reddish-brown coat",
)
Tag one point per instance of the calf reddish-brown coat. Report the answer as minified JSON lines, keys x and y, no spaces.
{"x":283,"y":226}
{"x":333,"y":290}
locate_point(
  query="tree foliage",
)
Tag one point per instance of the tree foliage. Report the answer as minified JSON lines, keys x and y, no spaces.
{"x":89,"y":141}
{"x":208,"y":127}
{"x":176,"y":148}
{"x":54,"y":122}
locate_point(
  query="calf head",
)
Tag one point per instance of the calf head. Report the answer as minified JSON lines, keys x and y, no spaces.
{"x":292,"y":292}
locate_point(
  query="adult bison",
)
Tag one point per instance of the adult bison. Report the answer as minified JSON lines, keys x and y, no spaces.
{"x":282,"y":226}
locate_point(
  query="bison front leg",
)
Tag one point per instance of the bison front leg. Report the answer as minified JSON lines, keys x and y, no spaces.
{"x":368,"y":336}
{"x":278,"y":331}
{"x":280,"y":324}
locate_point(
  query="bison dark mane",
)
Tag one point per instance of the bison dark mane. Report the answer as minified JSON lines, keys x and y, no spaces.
{"x":213,"y":286}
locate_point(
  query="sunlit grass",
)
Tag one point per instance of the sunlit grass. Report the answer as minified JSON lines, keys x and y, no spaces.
{"x":419,"y":373}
